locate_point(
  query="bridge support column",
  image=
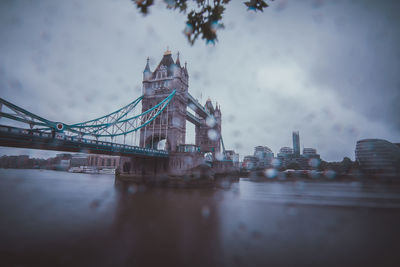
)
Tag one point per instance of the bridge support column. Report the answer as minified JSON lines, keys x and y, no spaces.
{"x":183,"y":163}
{"x":142,"y":168}
{"x":150,"y":168}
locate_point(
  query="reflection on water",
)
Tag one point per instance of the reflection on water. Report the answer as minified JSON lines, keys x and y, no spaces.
{"x":60,"y":218}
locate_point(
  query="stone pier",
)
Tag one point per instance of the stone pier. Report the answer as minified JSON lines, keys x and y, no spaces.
{"x":190,"y":166}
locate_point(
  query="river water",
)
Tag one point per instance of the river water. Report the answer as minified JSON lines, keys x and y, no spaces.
{"x":51,"y":218}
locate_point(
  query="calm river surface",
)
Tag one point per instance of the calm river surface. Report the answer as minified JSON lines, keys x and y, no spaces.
{"x":51,"y":218}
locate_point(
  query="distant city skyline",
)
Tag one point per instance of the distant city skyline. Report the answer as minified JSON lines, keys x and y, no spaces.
{"x":303,"y":65}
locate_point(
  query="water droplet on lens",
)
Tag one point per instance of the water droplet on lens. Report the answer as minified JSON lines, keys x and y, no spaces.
{"x":330,"y":174}
{"x":205,"y":212}
{"x":313,"y":174}
{"x":212,"y":134}
{"x":276,"y":163}
{"x":271,"y":173}
{"x":132,"y":189}
{"x":210,"y":121}
{"x":314,"y":162}
{"x":188,"y":29}
{"x":176,"y":122}
{"x":95,"y":204}
{"x":219,"y":156}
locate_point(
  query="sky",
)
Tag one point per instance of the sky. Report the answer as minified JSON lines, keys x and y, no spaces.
{"x":328,"y":69}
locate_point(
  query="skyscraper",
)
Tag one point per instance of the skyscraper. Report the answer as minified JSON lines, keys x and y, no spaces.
{"x":296,"y":143}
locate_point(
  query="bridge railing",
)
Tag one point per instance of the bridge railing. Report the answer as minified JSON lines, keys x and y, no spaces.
{"x":115,"y":147}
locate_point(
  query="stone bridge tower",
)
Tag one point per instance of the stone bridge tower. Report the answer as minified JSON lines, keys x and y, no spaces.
{"x":169,"y":75}
{"x":208,"y":132}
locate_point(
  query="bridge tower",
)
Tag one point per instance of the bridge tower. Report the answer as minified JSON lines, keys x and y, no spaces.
{"x":208,"y":132}
{"x":170,"y":125}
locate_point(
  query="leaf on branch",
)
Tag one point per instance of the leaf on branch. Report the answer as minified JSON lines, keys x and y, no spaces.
{"x":256,"y":5}
{"x":143,"y":5}
{"x":177,"y":4}
{"x":203,"y":21}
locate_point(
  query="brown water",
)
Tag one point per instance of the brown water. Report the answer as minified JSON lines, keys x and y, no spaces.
{"x":53,"y":218}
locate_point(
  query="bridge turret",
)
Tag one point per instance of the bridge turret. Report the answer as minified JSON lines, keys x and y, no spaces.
{"x":217,"y":113}
{"x":218,"y":120}
{"x":166,"y":77}
{"x":147,"y":72}
{"x":209,"y":106}
{"x":185,"y":72}
{"x":178,"y":62}
{"x":209,"y":131}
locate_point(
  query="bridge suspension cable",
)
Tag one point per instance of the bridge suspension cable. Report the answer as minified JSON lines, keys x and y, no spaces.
{"x":120,"y":122}
{"x":116,"y":125}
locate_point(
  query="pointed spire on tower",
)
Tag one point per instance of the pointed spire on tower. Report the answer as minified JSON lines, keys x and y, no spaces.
{"x":209,"y":106}
{"x":185,"y":69}
{"x":147,"y":68}
{"x":178,"y":62}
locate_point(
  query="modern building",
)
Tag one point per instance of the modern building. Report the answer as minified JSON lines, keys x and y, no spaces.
{"x":78,"y":160}
{"x":378,"y":157}
{"x":14,"y":161}
{"x":287,"y":157}
{"x":63,"y":156}
{"x":64,"y":164}
{"x":103,"y":161}
{"x":285,"y":152}
{"x":296,"y":143}
{"x":264,"y":155}
{"x":250,"y":162}
{"x":310,"y":153}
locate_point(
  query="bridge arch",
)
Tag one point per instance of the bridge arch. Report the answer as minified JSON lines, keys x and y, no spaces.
{"x":157,"y":141}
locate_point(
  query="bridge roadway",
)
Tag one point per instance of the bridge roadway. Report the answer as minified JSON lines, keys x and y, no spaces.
{"x":22,"y":138}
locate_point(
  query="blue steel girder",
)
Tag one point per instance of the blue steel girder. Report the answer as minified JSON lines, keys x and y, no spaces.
{"x":19,"y":114}
{"x":109,"y":118}
{"x":112,"y":126}
{"x":117,"y":123}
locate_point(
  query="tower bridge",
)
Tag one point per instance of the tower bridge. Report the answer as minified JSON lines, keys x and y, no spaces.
{"x":136,"y":134}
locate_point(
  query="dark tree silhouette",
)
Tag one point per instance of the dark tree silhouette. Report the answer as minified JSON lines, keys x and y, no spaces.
{"x":346,"y":165}
{"x":204,"y":20}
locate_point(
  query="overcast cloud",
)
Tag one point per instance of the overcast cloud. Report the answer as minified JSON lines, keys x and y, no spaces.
{"x":329,"y":69}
